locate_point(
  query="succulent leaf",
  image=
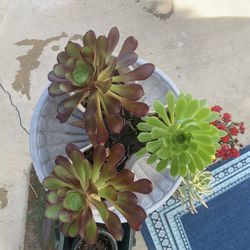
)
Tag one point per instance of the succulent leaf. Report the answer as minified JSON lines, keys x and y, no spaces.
{"x":52,"y":211}
{"x":91,"y":231}
{"x":131,"y":91}
{"x":113,"y":38}
{"x":114,"y":226}
{"x":129,"y":45}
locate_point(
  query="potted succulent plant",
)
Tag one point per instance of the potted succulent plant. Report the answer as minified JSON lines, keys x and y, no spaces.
{"x":105,"y":112}
{"x":93,"y":92}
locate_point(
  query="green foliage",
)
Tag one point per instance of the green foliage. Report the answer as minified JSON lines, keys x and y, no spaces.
{"x":180,"y":135}
{"x":76,"y":186}
{"x":193,"y":188}
{"x":91,"y":76}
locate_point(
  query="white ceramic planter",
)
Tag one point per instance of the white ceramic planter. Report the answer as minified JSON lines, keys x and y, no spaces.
{"x":48,"y":139}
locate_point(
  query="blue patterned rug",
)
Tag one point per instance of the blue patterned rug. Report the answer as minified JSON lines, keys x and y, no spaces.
{"x":225,"y":225}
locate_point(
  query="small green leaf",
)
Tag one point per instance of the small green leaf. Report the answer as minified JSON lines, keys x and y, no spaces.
{"x":62,"y":172}
{"x":214,"y":116}
{"x":183,"y":170}
{"x":74,"y":201}
{"x":65,"y":216}
{"x":184,"y":159}
{"x":163,"y":153}
{"x":53,"y":183}
{"x":74,"y":228}
{"x":141,"y":152}
{"x":185,"y":122}
{"x":208,"y":148}
{"x":175,"y":167}
{"x":91,"y":231}
{"x":87,"y":168}
{"x":87,"y":52}
{"x":161,"y":110}
{"x":152,"y":158}
{"x":180,"y":107}
{"x":62,"y":192}
{"x":143,"y":126}
{"x":202,"y":114}
{"x":73,"y":50}
{"x":108,"y":193}
{"x":206,"y":157}
{"x":155,"y":122}
{"x":59,"y":71}
{"x":194,"y":146}
{"x":101,"y":207}
{"x":161,"y":165}
{"x":191,"y":128}
{"x":203,"y":138}
{"x":70,"y":63}
{"x":192,"y":108}
{"x":144,"y":137}
{"x":159,"y":133}
{"x":81,"y":74}
{"x":52,"y":211}
{"x":198,"y":161}
{"x":192,"y":167}
{"x":153,"y":146}
{"x":52,"y":197}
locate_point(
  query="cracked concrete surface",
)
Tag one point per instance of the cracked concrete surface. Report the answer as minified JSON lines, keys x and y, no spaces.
{"x":203,"y":46}
{"x":15,"y":107}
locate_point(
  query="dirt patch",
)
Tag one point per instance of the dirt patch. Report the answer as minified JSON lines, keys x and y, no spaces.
{"x":35,"y":215}
{"x":102,"y":243}
{"x":3,"y":198}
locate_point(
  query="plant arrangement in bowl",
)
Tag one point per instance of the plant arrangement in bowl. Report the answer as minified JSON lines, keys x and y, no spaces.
{"x":177,"y":140}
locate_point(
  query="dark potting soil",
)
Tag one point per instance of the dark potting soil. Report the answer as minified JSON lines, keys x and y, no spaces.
{"x":102,"y":243}
{"x":127,"y":137}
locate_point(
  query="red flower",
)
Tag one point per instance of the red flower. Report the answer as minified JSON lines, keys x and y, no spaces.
{"x":221,"y":127}
{"x":242,"y":128}
{"x":223,"y":152}
{"x":216,"y":108}
{"x":219,"y":153}
{"x":225,"y":139}
{"x":227,"y":117}
{"x":234,"y":152}
{"x":233,"y":131}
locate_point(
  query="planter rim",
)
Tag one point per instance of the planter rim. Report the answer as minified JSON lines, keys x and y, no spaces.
{"x":104,"y":232}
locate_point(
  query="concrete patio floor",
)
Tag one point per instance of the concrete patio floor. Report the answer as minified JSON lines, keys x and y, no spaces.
{"x":204,"y":46}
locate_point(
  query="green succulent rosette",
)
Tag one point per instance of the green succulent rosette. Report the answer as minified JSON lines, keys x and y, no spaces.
{"x":91,"y":76}
{"x":77,"y":186}
{"x":193,"y":188}
{"x":180,"y":135}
